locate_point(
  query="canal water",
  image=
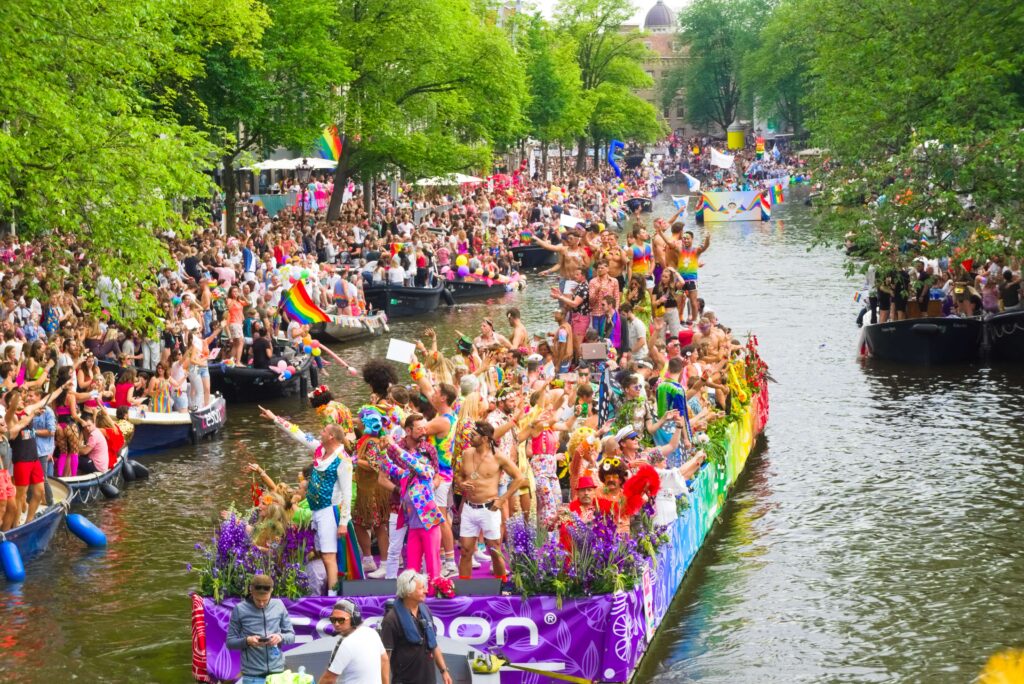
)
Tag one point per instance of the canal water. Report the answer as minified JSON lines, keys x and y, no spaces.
{"x":875,"y":536}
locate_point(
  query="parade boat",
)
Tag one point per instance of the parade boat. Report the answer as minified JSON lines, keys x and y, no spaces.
{"x":349,"y":328}
{"x":598,"y":638}
{"x":479,"y":288}
{"x":247,"y":384}
{"x":1006,"y":336}
{"x":742,"y":205}
{"x":923,"y":341}
{"x":91,"y":486}
{"x":398,"y":301}
{"x":534,"y":256}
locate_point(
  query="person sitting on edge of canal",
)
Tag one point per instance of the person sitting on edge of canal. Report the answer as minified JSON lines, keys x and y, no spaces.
{"x":359,"y":657}
{"x":258,"y":626}
{"x":408,"y":634}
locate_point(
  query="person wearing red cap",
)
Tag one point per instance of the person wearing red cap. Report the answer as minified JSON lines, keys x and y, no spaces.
{"x":584,"y":504}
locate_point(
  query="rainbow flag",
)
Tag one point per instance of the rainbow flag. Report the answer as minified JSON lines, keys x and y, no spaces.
{"x":297,"y":305}
{"x":329,"y":144}
{"x":776,"y":194}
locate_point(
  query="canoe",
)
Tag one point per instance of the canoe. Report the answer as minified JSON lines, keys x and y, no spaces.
{"x":478,"y":289}
{"x":645,"y":204}
{"x":33,"y":538}
{"x":243,"y":383}
{"x":534,"y":256}
{"x":158,"y":431}
{"x":1006,"y":337}
{"x":95,"y":485}
{"x":397,"y":301}
{"x":349,"y":328}
{"x":923,"y":341}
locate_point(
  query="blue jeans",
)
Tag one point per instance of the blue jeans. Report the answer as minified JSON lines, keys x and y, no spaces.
{"x":253,"y":680}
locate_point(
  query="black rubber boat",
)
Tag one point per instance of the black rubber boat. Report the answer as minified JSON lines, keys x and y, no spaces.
{"x":1006,"y":337}
{"x":534,"y":256}
{"x":401,"y":302}
{"x":462,"y":290}
{"x":924,"y":341}
{"x":644,"y":204}
{"x":245,"y":384}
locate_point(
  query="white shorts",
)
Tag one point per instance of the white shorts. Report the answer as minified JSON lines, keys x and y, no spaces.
{"x":326,"y":527}
{"x":442,"y":493}
{"x":477,"y":520}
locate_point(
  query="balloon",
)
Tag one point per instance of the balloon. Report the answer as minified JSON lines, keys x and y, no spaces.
{"x":305,"y":274}
{"x":463,"y":271}
{"x":316,"y":351}
{"x":315,"y":344}
{"x":291,"y":369}
{"x":306,"y":348}
{"x":479,"y":271}
{"x":287,"y":375}
{"x":175,"y":301}
{"x":307,"y":340}
{"x":461,"y":260}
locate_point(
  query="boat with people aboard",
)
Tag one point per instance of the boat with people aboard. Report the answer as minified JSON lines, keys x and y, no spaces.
{"x":91,"y":486}
{"x":242,"y":384}
{"x":534,"y":256}
{"x":32,"y":538}
{"x":400,"y":301}
{"x":924,"y":341}
{"x":159,"y":430}
{"x":479,"y":287}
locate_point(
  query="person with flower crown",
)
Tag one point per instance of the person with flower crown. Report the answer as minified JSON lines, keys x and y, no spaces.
{"x":328,"y":491}
{"x":331,"y":411}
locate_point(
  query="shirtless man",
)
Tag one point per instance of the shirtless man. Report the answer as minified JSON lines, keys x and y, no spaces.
{"x":481,"y":505}
{"x":520,"y":337}
{"x":571,"y":256}
{"x":687,"y":263}
{"x":612,"y":252}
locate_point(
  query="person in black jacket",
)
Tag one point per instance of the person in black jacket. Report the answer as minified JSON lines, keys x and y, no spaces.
{"x":408,"y":635}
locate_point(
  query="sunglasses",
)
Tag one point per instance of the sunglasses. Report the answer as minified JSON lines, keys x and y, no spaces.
{"x":338,"y":620}
{"x":262,"y":587}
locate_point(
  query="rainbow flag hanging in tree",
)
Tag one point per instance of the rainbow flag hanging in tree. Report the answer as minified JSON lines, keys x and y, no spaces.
{"x":776,"y":194}
{"x":297,"y":305}
{"x":329,"y":144}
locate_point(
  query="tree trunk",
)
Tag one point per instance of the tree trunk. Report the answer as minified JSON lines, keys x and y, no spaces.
{"x":341,"y":175}
{"x":561,"y":160}
{"x":597,"y":152}
{"x":581,"y":154}
{"x":544,"y":159}
{"x":368,"y":197}
{"x":229,"y":182}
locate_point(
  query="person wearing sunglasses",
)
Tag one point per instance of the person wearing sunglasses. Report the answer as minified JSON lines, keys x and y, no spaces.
{"x":258,"y":626}
{"x":359,"y":657}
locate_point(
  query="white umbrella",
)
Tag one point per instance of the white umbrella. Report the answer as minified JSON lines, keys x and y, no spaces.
{"x":451,"y":179}
{"x":316,"y":163}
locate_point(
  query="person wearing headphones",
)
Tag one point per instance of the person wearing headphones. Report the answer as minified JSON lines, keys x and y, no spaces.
{"x":258,"y":626}
{"x":359,"y":657}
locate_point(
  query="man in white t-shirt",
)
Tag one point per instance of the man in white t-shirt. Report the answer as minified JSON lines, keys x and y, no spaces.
{"x":359,"y":657}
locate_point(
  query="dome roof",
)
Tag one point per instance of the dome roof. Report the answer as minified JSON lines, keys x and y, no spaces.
{"x":659,"y":16}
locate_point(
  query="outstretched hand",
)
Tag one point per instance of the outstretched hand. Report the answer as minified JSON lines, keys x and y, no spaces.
{"x":266,"y":413}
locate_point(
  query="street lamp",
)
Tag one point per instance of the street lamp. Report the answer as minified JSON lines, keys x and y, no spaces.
{"x":302,"y":172}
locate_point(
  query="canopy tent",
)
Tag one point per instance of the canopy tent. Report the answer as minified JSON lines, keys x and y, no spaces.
{"x":811,"y":152}
{"x":451,"y":179}
{"x":292,"y":164}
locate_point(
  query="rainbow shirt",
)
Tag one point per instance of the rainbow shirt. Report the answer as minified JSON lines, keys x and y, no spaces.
{"x":643,"y":259}
{"x":445,"y":446}
{"x":687,"y":264}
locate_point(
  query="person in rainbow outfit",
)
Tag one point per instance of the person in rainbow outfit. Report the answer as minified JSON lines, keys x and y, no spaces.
{"x":373,"y":501}
{"x":329,"y":494}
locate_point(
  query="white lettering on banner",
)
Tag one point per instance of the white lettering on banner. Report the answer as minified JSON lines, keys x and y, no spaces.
{"x":479,"y":629}
{"x":483,"y":625}
{"x":529,"y":624}
{"x":299,"y":621}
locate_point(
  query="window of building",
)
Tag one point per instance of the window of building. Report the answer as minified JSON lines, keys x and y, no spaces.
{"x":680,"y":110}
{"x":650,"y":74}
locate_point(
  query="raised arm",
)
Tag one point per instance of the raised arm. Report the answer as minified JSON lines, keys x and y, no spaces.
{"x":304,"y":438}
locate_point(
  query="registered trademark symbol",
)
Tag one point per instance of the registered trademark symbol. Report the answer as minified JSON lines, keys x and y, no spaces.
{"x":550,"y":618}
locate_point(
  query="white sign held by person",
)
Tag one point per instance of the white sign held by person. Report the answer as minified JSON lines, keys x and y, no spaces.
{"x":400,"y":351}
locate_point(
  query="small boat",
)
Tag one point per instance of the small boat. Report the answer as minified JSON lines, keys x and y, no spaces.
{"x":93,"y":485}
{"x":33,"y":538}
{"x":244,"y":383}
{"x":478,"y":289}
{"x":923,"y":341}
{"x":534,"y":256}
{"x":156,"y":431}
{"x":1006,"y":336}
{"x":644,"y":204}
{"x":398,"y":301}
{"x":348,"y":328}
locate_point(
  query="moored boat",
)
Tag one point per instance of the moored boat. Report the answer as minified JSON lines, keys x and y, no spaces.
{"x":91,"y":486}
{"x":923,"y":341}
{"x":244,"y":383}
{"x":481,"y":288}
{"x":534,"y":256}
{"x":156,"y":431}
{"x":644,"y":204}
{"x":349,"y":328}
{"x":398,"y":301}
{"x":33,"y":538}
{"x":1006,"y":337}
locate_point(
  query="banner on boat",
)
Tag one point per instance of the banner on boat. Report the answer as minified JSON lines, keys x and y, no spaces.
{"x":744,"y":205}
{"x":599,"y":638}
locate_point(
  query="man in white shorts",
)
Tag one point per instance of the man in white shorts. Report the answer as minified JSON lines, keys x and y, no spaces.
{"x":481,"y":505}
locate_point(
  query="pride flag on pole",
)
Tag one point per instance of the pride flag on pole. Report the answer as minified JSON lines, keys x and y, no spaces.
{"x":679,"y":201}
{"x":297,"y":305}
{"x":776,"y":194}
{"x":329,"y":144}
